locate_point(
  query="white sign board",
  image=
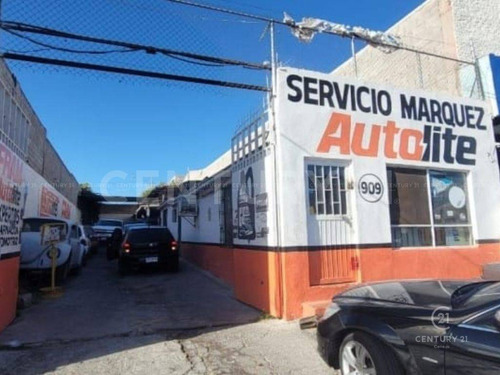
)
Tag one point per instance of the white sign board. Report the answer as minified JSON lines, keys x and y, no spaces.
{"x":323,"y":118}
{"x":52,"y":233}
{"x":12,"y":201}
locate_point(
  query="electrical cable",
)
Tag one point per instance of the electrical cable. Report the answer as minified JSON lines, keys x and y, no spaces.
{"x":134,"y":72}
{"x":17,"y":26}
{"x":64,"y":49}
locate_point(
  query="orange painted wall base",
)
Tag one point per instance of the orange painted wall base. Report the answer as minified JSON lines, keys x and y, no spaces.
{"x":253,"y":274}
{"x":280,"y":282}
{"x":9,"y":275}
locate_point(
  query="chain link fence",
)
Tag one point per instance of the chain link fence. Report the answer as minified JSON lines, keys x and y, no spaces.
{"x":429,"y":65}
{"x":414,"y":70}
{"x":154,"y":23}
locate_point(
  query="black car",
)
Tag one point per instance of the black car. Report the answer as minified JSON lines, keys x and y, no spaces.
{"x":148,"y":246}
{"x":414,"y":327}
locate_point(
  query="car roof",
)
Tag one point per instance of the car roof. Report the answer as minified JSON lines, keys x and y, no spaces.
{"x":69,"y":222}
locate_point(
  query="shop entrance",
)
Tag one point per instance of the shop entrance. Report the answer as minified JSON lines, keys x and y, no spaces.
{"x":332,"y":257}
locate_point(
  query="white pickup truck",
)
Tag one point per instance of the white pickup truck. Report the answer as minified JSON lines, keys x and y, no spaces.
{"x":104,"y":228}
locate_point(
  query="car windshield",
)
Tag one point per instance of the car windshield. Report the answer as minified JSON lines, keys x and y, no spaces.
{"x":476,"y":294}
{"x":109,"y":223}
{"x":35,"y":225}
{"x":149,"y":235}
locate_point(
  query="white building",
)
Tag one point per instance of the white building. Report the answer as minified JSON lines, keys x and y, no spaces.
{"x":389,"y":175}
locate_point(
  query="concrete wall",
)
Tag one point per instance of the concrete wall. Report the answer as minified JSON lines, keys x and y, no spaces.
{"x":428,"y":28}
{"x":206,"y":229}
{"x":22,"y":131}
{"x":254,"y":274}
{"x":476,"y":27}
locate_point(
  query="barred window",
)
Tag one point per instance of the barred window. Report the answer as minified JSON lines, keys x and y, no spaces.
{"x":326,"y":190}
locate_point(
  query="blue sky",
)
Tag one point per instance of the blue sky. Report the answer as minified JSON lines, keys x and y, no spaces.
{"x":101,"y":123}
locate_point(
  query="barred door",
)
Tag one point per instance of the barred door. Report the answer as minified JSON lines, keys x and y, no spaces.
{"x":333,"y":264}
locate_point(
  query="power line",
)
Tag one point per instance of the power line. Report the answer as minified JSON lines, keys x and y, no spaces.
{"x":64,"y":49}
{"x":134,"y":72}
{"x":282,"y":23}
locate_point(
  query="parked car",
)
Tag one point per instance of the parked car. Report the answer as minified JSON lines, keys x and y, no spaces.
{"x":84,"y":243}
{"x":35,"y":257}
{"x":134,"y":224}
{"x":104,"y":228}
{"x":414,"y":327}
{"x":113,"y":245}
{"x":153,"y":245}
{"x":92,"y":238}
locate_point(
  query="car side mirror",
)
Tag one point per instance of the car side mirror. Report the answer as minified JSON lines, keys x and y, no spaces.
{"x":83,"y":242}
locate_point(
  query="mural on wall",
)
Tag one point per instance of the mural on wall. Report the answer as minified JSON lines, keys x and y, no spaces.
{"x":246,"y":206}
{"x":12,"y":200}
{"x":49,"y":203}
{"x":66,"y":210}
{"x":250,"y":215}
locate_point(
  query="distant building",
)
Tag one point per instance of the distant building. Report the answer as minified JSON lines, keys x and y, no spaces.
{"x":121,"y":208}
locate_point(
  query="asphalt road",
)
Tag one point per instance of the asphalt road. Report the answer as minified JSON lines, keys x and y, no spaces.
{"x":152,"y":323}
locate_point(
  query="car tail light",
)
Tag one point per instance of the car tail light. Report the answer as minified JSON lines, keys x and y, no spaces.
{"x":173,"y":245}
{"x":126,"y":247}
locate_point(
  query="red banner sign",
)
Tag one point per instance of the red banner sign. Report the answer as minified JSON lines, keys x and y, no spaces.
{"x":49,"y":203}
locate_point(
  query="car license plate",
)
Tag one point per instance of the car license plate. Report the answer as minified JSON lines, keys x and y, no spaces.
{"x":151,"y":259}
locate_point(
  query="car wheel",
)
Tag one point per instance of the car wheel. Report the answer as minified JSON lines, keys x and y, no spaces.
{"x":62,"y":272}
{"x":365,"y":355}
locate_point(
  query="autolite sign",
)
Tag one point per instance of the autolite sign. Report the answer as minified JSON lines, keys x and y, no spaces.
{"x":347,"y":117}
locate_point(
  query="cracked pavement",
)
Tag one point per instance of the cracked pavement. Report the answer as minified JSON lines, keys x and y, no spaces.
{"x":152,"y":323}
